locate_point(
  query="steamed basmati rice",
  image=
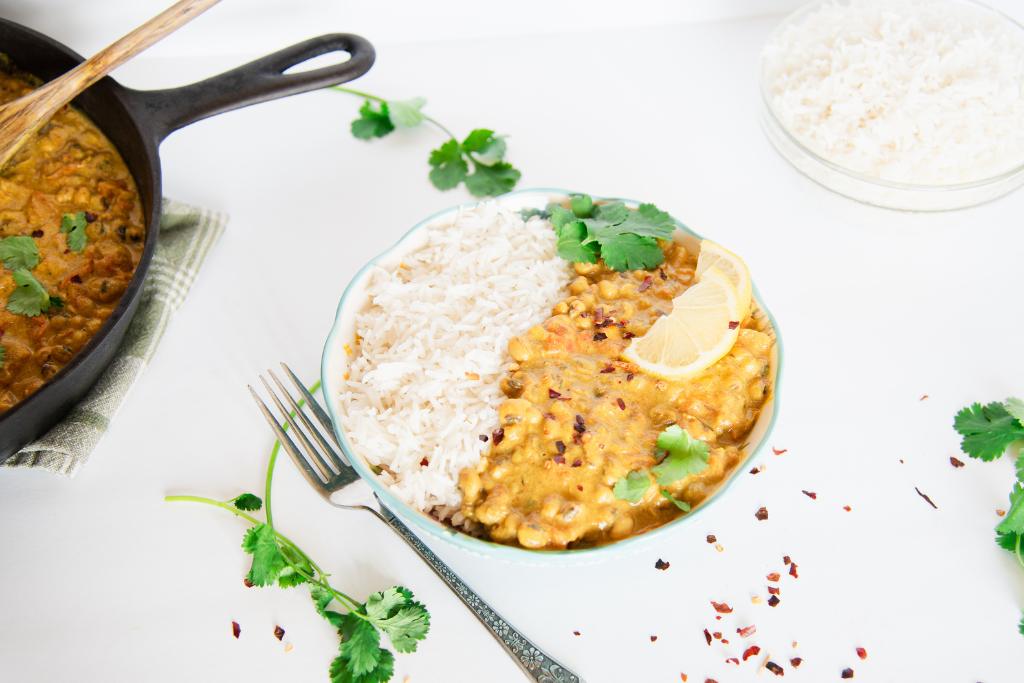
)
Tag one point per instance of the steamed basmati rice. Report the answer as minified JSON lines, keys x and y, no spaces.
{"x":424,"y":384}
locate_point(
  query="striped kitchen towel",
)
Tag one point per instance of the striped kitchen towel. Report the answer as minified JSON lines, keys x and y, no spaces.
{"x":186,"y":236}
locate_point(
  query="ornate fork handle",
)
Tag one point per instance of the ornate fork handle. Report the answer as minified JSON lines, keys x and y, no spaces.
{"x":534,"y":662}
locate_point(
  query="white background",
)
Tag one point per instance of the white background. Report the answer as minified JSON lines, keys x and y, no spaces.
{"x":102,"y":581}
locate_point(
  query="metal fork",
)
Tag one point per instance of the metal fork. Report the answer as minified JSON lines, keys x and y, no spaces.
{"x":320,"y":460}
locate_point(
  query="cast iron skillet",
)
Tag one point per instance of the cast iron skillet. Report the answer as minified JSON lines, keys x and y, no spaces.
{"x":136,"y":122}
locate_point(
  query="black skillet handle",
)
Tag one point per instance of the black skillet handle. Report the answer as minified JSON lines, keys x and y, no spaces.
{"x":165,"y":111}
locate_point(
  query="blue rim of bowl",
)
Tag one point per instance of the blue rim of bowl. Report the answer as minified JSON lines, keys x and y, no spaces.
{"x":510,"y":553}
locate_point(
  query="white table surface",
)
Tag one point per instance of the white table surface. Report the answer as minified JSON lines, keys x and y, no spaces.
{"x":102,"y":581}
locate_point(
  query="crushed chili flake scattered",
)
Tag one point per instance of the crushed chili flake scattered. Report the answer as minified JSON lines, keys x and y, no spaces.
{"x":661,"y":274}
{"x":762,"y":513}
{"x":247,"y":582}
{"x":747,"y":631}
{"x":1000,"y":512}
{"x":576,"y":438}
{"x":786,"y":559}
{"x":751,"y":651}
{"x":810,"y":494}
{"x":646,"y":284}
{"x":575,"y":633}
{"x":483,"y":437}
{"x":630,"y":376}
{"x":774,"y":576}
{"x":662,"y":564}
{"x":278,"y":632}
{"x":795,"y":662}
{"x":712,"y":538}
{"x":560,"y":459}
{"x":608,"y":368}
{"x":755,"y":470}
{"x":550,"y":416}
{"x":497,"y":435}
{"x":721,"y":607}
{"x":955,"y":461}
{"x":579,"y":487}
{"x":710,"y":680}
{"x":424,"y":462}
{"x":683,"y":678}
{"x":732,"y":660}
{"x":773,"y":590}
{"x":862,"y":653}
{"x":577,"y":462}
{"x":733,"y":324}
{"x":600,"y":336}
{"x":847,"y":673}
{"x":707,"y":636}
{"x":774,"y":668}
{"x":628,"y":335}
{"x":620,"y":403}
{"x":774,"y":600}
{"x":554,"y":394}
{"x":847,"y":508}
{"x":236,"y":630}
{"x":792,"y":571}
{"x":90,"y":217}
{"x":717,"y":635}
{"x":718,"y":617}
{"x":923,"y":397}
{"x":779,"y":451}
{"x":926,"y":498}
{"x":654,"y":638}
{"x":560,"y":446}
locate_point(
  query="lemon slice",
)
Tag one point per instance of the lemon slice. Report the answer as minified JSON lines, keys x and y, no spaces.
{"x":732,"y":266}
{"x":702,"y":327}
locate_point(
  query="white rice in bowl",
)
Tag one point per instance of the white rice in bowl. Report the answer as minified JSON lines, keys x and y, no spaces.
{"x":432,"y":348}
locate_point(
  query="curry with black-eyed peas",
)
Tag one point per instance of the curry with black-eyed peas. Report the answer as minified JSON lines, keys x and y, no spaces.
{"x":71,"y":235}
{"x":577,"y":419}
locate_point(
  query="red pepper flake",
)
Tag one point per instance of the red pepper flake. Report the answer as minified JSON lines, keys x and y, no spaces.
{"x":747,"y":631}
{"x":1000,"y":513}
{"x":424,"y":462}
{"x":497,"y":435}
{"x":721,"y":607}
{"x":762,"y":513}
{"x":862,"y":653}
{"x":662,"y":564}
{"x":661,"y":274}
{"x":90,"y":217}
{"x":733,"y":324}
{"x":774,"y":590}
{"x":707,"y":636}
{"x":792,"y":571}
{"x":786,"y":559}
{"x":774,"y":576}
{"x":774,"y":600}
{"x":236,"y":630}
{"x":579,"y":487}
{"x":712,"y":538}
{"x":550,"y":416}
{"x":955,"y":461}
{"x":598,"y":314}
{"x":810,"y":494}
{"x":683,"y":677}
{"x":646,"y":284}
{"x":717,"y":635}
{"x":600,"y":336}
{"x":751,"y":651}
{"x":847,"y":673}
{"x":560,"y":446}
{"x":718,"y":617}
{"x":607,"y":369}
{"x":247,"y":582}
{"x":628,"y":335}
{"x":755,"y":470}
{"x":927,"y":499}
{"x":779,"y":451}
{"x":774,"y":668}
{"x":576,"y":439}
{"x":710,"y":680}
{"x":278,"y":632}
{"x":796,"y":662}
{"x":577,"y":462}
{"x":847,"y":508}
{"x":560,"y":459}
{"x":483,"y":437}
{"x":620,"y":403}
{"x":580,"y":426}
{"x":654,"y":638}
{"x":732,"y":660}
{"x":554,"y":394}
{"x":923,"y":397}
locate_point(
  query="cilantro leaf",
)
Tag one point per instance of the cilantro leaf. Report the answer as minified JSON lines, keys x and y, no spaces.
{"x":582,"y":205}
{"x":631,"y":252}
{"x":405,"y":620}
{"x":30,"y":297}
{"x":1013,"y":522}
{"x":406,"y":113}
{"x":73,"y":225}
{"x":486,"y":147}
{"x":247,"y":502}
{"x":321,"y":599}
{"x":632,"y":487}
{"x":987,"y":430}
{"x":267,"y":560}
{"x":382,"y":604}
{"x":1014,"y":406}
{"x":1007,"y":541}
{"x":490,"y":181}
{"x":340,"y":672}
{"x":527,"y":214}
{"x":686,"y":456}
{"x":1020,"y":626}
{"x":372,"y":123}
{"x":290,"y":576}
{"x":448,"y":168}
{"x":681,"y":504}
{"x":360,"y":645}
{"x":19,"y":252}
{"x":570,"y":243}
{"x":559,"y":216}
{"x":650,"y":221}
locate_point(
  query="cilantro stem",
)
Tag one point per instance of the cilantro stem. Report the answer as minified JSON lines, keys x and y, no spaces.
{"x":1016,"y":551}
{"x":273,"y":461}
{"x":368,"y":96}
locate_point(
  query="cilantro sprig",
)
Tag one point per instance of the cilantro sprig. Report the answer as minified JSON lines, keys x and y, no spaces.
{"x":627,"y":239}
{"x":277,"y":560}
{"x":681,"y":456}
{"x":29,"y":298}
{"x":19,"y":252}
{"x":478,"y":160}
{"x":72,"y":225}
{"x":988,"y":432}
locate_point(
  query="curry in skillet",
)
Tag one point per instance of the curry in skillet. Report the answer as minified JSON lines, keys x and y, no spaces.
{"x":592,"y":448}
{"x":71,"y":235}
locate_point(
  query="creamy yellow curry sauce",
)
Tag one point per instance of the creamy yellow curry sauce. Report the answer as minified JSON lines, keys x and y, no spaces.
{"x":577,"y":419}
{"x":68,"y":169}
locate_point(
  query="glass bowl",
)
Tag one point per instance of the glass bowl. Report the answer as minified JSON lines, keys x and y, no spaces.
{"x":871,"y":189}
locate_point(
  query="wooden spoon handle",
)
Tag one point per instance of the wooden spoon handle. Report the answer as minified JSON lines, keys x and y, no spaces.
{"x":129,"y":45}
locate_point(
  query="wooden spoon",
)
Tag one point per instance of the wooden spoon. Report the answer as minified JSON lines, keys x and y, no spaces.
{"x":21,"y":118}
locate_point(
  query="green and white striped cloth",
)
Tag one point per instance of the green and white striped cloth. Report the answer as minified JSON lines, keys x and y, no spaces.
{"x":186,"y":236}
